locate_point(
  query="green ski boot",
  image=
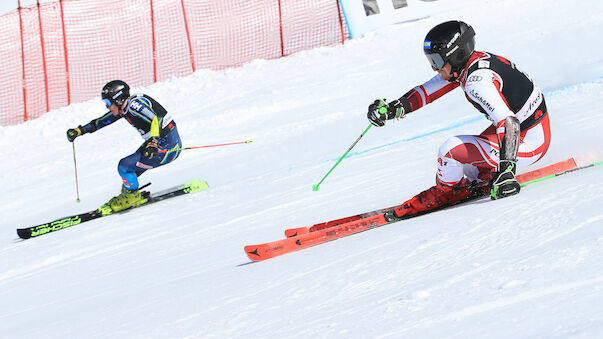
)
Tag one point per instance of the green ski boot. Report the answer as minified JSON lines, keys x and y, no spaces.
{"x":127,"y":199}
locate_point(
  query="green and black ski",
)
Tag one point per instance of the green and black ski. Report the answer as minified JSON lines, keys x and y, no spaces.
{"x":35,"y":231}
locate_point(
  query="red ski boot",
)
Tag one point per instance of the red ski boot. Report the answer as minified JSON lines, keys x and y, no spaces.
{"x":436,"y":197}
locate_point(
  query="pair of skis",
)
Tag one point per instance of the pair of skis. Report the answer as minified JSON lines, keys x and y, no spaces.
{"x":35,"y":231}
{"x":304,"y":237}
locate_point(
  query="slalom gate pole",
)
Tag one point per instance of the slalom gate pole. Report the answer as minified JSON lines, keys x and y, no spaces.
{"x":315,"y":187}
{"x":77,"y":188}
{"x":206,"y":146}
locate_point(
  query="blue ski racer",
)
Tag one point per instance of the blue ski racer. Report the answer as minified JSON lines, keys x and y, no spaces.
{"x":161,"y":140}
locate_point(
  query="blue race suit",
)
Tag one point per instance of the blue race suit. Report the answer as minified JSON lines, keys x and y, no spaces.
{"x":150,"y":119}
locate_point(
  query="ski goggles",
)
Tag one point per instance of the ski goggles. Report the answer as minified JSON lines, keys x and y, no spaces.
{"x":107,"y":102}
{"x":435,"y":60}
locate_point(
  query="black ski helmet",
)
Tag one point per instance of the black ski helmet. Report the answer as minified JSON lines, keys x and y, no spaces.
{"x":451,"y":41}
{"x":115,"y":92}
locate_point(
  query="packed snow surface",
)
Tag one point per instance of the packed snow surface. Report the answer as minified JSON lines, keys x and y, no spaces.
{"x":527,"y":266}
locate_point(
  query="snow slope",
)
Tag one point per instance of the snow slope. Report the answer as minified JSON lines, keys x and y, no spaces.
{"x":527,"y":266}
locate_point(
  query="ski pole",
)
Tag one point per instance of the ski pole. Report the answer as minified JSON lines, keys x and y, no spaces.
{"x":77,"y":188}
{"x":206,"y":146}
{"x":315,"y":187}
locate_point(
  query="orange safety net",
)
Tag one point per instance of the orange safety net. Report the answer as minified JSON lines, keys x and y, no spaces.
{"x":62,"y":52}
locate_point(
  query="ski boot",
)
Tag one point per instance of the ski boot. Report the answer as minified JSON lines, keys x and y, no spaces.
{"x":435,"y":197}
{"x":504,"y":183}
{"x":127,"y":199}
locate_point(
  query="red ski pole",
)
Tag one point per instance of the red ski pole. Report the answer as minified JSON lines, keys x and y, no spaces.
{"x":206,"y":146}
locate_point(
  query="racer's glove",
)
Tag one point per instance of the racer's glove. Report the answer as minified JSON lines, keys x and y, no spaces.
{"x":151,"y":147}
{"x":379,"y":111}
{"x":73,"y":133}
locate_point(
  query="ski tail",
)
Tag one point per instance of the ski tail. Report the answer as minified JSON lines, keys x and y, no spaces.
{"x":187,"y":188}
{"x":557,"y":169}
{"x":194,"y":186}
{"x":545,"y":172}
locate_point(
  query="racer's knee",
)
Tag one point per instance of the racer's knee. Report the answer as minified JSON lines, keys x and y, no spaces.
{"x":450,"y":170}
{"x":127,"y":165}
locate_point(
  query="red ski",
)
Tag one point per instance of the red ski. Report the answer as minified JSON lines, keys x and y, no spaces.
{"x":292,"y":232}
{"x":524,"y":179}
{"x":280,"y":247}
{"x":303,"y":237}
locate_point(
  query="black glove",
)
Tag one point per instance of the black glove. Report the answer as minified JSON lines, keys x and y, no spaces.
{"x":504,"y":184}
{"x":379,"y":111}
{"x":73,"y":133}
{"x":151,"y":147}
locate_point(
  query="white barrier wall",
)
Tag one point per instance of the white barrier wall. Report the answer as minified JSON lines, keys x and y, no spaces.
{"x":366,"y":15}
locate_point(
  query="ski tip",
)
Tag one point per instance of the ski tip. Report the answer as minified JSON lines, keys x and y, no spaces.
{"x":294,"y":232}
{"x":253,"y":252}
{"x":290,"y":233}
{"x":315,"y":188}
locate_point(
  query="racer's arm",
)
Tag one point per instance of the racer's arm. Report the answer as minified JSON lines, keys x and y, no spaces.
{"x":96,"y":124}
{"x":107,"y":119}
{"x":429,"y":92}
{"x":424,"y":94}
